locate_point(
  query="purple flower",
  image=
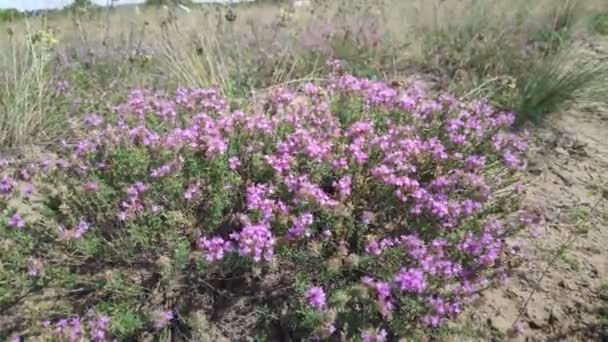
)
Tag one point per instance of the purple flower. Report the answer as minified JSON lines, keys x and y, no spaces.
{"x":315,"y":296}
{"x":258,"y":198}
{"x":516,"y":330}
{"x":368,"y":217}
{"x":511,"y":160}
{"x":300,"y":226}
{"x":373,"y":248}
{"x":432,"y":320}
{"x":383,"y":289}
{"x":214,"y":248}
{"x":34,"y":267}
{"x":24,"y":174}
{"x":73,"y":234}
{"x":93,"y":120}
{"x":69,"y":329}
{"x":411,"y":280}
{"x":475,"y":162}
{"x":334,"y":65}
{"x":62,"y":86}
{"x":255,"y":241}
{"x":99,"y":326}
{"x":374,"y":335}
{"x":82,"y":227}
{"x":343,"y":185}
{"x":161,"y":319}
{"x":234,"y":163}
{"x":7,"y":185}
{"x":91,"y":187}
{"x":440,"y":310}
{"x":305,"y":190}
{"x":16,"y":221}
{"x":168,"y":169}
{"x":28,"y":190}
{"x":192,"y":191}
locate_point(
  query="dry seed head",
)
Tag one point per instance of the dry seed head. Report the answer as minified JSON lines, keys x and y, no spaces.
{"x":342,"y":249}
{"x":360,"y":291}
{"x":164,"y":263}
{"x":352,"y":260}
{"x":334,"y":264}
{"x":340,"y":299}
{"x":315,"y":248}
{"x":230,"y":16}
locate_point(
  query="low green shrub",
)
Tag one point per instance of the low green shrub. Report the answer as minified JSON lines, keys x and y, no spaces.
{"x":9,"y":14}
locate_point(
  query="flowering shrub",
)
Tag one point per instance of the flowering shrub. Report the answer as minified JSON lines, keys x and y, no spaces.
{"x":386,"y":209}
{"x":73,"y":330}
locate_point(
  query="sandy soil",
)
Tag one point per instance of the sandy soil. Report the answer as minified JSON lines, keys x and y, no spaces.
{"x":566,"y":175}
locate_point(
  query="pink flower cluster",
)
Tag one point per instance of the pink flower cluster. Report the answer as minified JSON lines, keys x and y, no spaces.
{"x":255,"y":241}
{"x":315,"y":296}
{"x":384,"y":298}
{"x":411,"y":280}
{"x":215,"y":248}
{"x":73,"y":330}
{"x":16,"y":221}
{"x":374,"y":335}
{"x":300,"y":226}
{"x":68,"y":329}
{"x":133,"y":204}
{"x":73,"y":234}
{"x":99,"y":326}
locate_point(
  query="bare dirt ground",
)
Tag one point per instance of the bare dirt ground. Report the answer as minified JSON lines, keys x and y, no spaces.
{"x":566,"y":175}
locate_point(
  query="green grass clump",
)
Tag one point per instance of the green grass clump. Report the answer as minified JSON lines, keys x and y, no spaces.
{"x":598,"y":24}
{"x":569,"y":77}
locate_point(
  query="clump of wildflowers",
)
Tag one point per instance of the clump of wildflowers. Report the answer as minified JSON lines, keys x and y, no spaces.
{"x":387,"y":198}
{"x":93,"y":327}
{"x":99,"y":326}
{"x":68,"y":329}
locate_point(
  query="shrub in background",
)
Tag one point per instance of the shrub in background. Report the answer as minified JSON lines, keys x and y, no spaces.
{"x":9,"y":14}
